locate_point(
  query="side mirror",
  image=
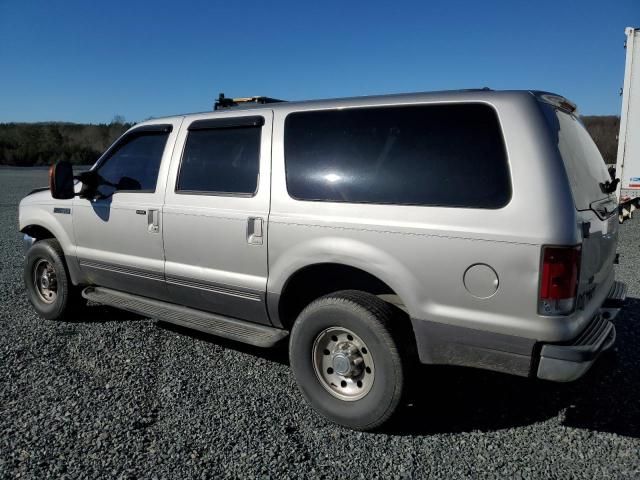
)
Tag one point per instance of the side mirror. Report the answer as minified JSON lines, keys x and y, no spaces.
{"x":61,"y":181}
{"x":90,"y":181}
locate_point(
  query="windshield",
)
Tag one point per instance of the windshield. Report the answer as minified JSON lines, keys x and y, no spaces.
{"x":582,"y":160}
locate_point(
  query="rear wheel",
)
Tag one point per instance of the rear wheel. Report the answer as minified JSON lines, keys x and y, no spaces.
{"x":47,"y":281}
{"x":345,"y":357}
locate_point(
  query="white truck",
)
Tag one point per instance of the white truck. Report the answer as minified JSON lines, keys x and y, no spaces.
{"x":628,"y":159}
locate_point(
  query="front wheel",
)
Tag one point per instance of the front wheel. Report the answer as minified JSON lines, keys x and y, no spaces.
{"x":345,"y":357}
{"x":47,"y":281}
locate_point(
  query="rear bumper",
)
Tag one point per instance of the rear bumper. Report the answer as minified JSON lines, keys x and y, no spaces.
{"x":443,"y":344}
{"x":571,"y":360}
{"x":568,"y":362}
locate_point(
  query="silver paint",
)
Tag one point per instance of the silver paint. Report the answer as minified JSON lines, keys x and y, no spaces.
{"x":421,"y":252}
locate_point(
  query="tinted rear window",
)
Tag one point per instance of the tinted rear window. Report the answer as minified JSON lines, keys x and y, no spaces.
{"x":448,"y":155}
{"x":582,"y":160}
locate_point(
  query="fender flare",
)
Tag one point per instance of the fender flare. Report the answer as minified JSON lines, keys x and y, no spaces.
{"x":342,"y":251}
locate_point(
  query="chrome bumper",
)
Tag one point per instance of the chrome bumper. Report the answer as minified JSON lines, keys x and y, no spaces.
{"x":27,"y":241}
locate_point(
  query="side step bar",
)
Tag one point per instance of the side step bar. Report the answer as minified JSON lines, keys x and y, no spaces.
{"x":231,"y":328}
{"x":617,"y":295}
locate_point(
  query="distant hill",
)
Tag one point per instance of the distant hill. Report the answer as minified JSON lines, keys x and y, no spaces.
{"x":34,"y":144}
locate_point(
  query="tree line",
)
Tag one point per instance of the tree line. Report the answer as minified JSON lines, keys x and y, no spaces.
{"x":604,"y":131}
{"x":34,"y":144}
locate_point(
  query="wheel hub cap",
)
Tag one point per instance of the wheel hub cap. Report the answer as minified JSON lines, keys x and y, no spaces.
{"x":343,"y":364}
{"x":347,"y":360}
{"x":45,"y":281}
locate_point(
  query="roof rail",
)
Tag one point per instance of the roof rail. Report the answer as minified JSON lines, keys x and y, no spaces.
{"x":224,"y":102}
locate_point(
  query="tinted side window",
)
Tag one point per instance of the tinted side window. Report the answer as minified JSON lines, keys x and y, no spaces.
{"x":221,"y":160}
{"x":134,"y":164}
{"x":448,"y":155}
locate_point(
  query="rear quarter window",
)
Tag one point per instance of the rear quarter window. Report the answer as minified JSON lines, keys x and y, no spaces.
{"x":435,"y":155}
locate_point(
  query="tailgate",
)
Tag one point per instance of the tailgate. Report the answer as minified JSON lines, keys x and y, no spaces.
{"x":598,"y":254}
{"x":597,"y":209}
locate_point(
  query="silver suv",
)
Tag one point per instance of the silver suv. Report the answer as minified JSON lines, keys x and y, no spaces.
{"x":473,"y":228}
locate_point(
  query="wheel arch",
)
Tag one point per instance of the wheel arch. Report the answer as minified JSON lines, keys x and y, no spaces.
{"x":37,"y":231}
{"x":39,"y":219}
{"x":315,"y":280}
{"x":41,"y":229}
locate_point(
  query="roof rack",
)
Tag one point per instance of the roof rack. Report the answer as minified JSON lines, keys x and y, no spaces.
{"x":224,"y":102}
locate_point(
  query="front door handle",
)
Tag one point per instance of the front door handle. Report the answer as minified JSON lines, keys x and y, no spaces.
{"x":153,"y":220}
{"x":254,"y":231}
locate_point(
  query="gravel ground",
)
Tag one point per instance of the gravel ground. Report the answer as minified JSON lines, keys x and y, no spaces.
{"x":117,"y":395}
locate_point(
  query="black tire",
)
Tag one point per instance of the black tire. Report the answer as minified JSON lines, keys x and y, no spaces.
{"x":67,"y":297}
{"x":372,"y":320}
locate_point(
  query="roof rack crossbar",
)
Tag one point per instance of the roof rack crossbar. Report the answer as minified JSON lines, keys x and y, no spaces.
{"x":224,"y":102}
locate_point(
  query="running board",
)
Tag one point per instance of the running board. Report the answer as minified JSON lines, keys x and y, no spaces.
{"x":231,"y":328}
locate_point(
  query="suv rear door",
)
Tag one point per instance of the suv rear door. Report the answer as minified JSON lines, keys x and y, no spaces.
{"x":215,"y":214}
{"x":597,"y":210}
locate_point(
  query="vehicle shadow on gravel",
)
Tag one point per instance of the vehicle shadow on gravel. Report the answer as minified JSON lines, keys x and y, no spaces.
{"x":102,"y":314}
{"x":454,"y":399}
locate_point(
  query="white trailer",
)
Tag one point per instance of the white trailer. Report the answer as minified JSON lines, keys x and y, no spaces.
{"x":628,"y":159}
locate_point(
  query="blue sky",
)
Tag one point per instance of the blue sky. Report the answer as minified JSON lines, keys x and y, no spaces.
{"x":86,"y":61}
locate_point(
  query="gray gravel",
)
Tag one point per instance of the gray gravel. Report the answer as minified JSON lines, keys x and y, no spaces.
{"x":116,"y":395}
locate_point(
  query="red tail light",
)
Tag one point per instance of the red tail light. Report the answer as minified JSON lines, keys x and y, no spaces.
{"x":559,"y":275}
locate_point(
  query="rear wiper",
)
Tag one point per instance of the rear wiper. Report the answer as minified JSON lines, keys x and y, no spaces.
{"x":609,"y":186}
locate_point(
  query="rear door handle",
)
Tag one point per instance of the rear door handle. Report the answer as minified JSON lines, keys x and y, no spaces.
{"x":153,"y":220}
{"x":254,"y":231}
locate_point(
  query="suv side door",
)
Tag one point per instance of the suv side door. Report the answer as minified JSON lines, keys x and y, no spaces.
{"x":215,"y":214}
{"x":119,"y":233}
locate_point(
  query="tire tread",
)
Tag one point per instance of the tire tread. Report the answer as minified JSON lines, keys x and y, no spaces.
{"x":383,"y":319}
{"x":71,"y":300}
